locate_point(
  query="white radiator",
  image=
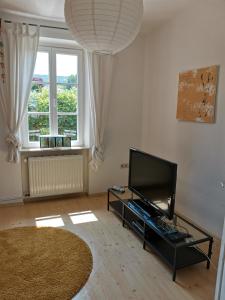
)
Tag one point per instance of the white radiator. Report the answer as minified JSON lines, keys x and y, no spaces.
{"x":55,"y":175}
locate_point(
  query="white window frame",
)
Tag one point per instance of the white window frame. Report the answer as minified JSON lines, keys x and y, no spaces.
{"x":53,"y":121}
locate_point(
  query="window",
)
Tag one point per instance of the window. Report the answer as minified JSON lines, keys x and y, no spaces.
{"x":55,"y":102}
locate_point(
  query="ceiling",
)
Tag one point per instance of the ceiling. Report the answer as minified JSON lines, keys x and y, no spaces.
{"x":156,"y":12}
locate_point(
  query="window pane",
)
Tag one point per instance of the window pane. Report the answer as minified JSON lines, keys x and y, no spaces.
{"x":66,"y":68}
{"x":38,"y":125}
{"x":39,"y":98}
{"x":67,"y":125}
{"x":41,"y":70}
{"x":66,"y":98}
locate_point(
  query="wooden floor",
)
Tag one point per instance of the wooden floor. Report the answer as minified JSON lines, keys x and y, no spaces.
{"x":122,"y":269}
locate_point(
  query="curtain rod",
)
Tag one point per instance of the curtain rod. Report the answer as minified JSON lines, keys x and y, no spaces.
{"x":43,"y":26}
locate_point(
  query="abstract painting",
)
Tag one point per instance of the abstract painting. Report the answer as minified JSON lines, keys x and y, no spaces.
{"x":197,"y":95}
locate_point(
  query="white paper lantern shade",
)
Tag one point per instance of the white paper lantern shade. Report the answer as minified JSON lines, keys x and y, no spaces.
{"x":104,"y":26}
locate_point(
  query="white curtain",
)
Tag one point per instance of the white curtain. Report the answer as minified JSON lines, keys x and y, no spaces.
{"x":99,"y":80}
{"x":18,"y":50}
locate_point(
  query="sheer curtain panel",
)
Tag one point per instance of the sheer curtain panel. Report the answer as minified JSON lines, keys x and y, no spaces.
{"x":18,"y":50}
{"x":99,"y":81}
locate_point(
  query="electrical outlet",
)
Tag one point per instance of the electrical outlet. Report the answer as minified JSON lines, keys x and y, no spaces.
{"x":124,"y":166}
{"x":222,"y":184}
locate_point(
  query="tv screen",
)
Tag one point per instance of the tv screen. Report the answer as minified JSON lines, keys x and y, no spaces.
{"x":154,"y":180}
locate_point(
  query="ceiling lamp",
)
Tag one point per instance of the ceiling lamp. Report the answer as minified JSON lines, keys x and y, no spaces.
{"x":104,"y":26}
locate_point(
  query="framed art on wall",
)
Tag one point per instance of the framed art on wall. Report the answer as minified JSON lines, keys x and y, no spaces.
{"x":59,"y":141}
{"x":44,"y":141}
{"x":197,"y":95}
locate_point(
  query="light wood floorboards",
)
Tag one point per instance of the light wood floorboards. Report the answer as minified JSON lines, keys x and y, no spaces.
{"x":122,"y":269}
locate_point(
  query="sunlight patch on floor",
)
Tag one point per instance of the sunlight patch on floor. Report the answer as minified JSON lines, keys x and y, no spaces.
{"x":49,"y":221}
{"x":83,"y":217}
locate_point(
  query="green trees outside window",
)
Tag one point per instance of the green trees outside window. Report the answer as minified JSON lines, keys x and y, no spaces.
{"x":39,"y":108}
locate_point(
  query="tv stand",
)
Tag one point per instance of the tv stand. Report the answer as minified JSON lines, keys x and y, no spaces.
{"x":175,"y":254}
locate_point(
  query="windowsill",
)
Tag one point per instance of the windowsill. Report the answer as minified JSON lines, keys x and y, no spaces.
{"x":26,"y":150}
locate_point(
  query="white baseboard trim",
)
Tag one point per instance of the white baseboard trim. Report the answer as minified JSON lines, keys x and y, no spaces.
{"x":11,"y":200}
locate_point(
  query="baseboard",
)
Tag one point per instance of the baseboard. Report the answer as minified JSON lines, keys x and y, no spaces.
{"x":97,"y":194}
{"x":28,"y":199}
{"x":11,"y":200}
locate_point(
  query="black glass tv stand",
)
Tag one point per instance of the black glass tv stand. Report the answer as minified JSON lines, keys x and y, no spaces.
{"x":176,"y":255}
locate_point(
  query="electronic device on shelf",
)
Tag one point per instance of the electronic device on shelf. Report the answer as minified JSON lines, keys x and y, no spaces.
{"x":165,"y":227}
{"x":178,"y":236}
{"x":119,"y":189}
{"x":158,"y":223}
{"x":154,"y":180}
{"x":138,"y":209}
{"x":138,"y":226}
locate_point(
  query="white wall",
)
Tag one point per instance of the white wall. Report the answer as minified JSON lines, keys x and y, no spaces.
{"x":195,"y":38}
{"x":124,"y":123}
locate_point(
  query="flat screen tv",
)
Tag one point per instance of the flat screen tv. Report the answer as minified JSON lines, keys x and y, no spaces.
{"x":153,"y":179}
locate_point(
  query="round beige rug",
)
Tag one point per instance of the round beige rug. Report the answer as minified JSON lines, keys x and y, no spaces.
{"x":42,"y":264}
